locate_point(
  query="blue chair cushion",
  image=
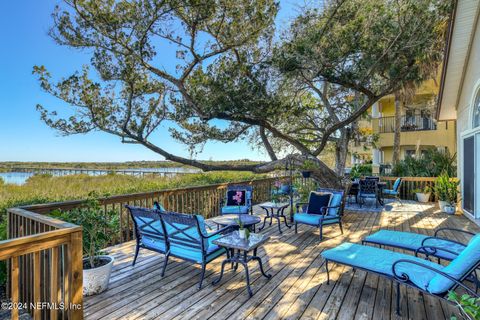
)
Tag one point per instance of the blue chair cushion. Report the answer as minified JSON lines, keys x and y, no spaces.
{"x":236,"y":197}
{"x":334,"y":202}
{"x":154,"y":243}
{"x":158,"y":206}
{"x":396,"y":184}
{"x":381,"y":261}
{"x":458,"y":268}
{"x":390,"y":192}
{"x":317,"y":201}
{"x":193,"y":254}
{"x":234,"y":209}
{"x":313,"y":219}
{"x":413,"y":241}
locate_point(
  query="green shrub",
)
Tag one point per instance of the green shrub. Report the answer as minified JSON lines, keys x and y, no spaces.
{"x":469,"y":306}
{"x":361,"y":170}
{"x":446,"y":188}
{"x":97,"y":226}
{"x":431,"y":164}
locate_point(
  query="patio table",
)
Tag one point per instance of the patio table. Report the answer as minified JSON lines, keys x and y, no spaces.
{"x":274,"y":210}
{"x":248,"y":221}
{"x":238,"y":249}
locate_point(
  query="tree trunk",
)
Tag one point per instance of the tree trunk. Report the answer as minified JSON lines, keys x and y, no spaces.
{"x":341,"y":151}
{"x":397,"y":130}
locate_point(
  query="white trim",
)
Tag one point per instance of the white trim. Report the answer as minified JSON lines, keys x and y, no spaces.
{"x":476,"y":91}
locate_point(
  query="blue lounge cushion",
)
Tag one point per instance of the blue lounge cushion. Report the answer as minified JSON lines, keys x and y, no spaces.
{"x":313,"y":219}
{"x":458,"y":268}
{"x":381,"y":261}
{"x":413,"y":241}
{"x":234,"y":209}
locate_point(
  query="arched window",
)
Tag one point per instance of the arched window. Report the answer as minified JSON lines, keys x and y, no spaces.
{"x":476,"y":110}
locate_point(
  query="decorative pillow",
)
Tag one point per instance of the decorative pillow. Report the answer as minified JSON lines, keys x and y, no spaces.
{"x":317,"y":201}
{"x":236,"y":197}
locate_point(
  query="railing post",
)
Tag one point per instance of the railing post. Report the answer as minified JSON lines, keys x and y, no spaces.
{"x":76,"y":272}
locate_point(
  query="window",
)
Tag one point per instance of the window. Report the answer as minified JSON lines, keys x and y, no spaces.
{"x":476,"y":110}
{"x":409,"y":153}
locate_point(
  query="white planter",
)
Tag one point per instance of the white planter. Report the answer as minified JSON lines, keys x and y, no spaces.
{"x":96,"y":280}
{"x":442,"y":205}
{"x":423,"y":197}
{"x":242,"y":234}
{"x":449,"y":209}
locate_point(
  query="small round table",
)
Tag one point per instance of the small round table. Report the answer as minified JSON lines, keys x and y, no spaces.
{"x":270,"y":208}
{"x":231,"y":220}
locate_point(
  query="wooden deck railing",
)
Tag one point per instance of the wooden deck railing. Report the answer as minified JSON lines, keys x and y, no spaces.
{"x":202,"y":200}
{"x":411,"y":183}
{"x":44,"y":259}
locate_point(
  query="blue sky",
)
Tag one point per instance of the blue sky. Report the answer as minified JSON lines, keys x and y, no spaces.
{"x":23,"y":137}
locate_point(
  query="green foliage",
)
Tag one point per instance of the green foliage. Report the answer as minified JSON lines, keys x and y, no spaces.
{"x":446,"y":188}
{"x":304,"y":189}
{"x":361,"y":170}
{"x":98,"y":226}
{"x":431,"y":164}
{"x":468,"y":305}
{"x":426,"y":189}
{"x":308,"y":165}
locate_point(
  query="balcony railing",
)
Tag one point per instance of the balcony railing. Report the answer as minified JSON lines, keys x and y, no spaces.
{"x":408,"y":123}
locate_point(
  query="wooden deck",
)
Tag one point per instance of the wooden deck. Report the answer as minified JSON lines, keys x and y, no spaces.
{"x":297,"y":290}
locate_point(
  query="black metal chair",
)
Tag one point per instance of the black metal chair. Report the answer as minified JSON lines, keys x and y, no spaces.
{"x":368,"y":189}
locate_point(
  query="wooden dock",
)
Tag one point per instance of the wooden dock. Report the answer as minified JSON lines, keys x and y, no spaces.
{"x":297,"y":290}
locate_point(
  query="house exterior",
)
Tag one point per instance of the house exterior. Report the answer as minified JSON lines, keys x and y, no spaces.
{"x":459,"y":98}
{"x":419,"y":129}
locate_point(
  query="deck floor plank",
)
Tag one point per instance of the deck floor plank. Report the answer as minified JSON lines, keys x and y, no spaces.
{"x":298,"y":288}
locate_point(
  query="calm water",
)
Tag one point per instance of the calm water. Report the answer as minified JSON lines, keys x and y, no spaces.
{"x":21,"y":177}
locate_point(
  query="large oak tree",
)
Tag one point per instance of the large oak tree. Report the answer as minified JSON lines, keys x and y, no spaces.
{"x":232,"y":81}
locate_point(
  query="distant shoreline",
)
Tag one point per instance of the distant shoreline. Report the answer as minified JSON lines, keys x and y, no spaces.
{"x":6,"y":165}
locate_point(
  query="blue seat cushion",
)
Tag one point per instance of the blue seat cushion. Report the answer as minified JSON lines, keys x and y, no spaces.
{"x":195,"y":254}
{"x":413,"y":241}
{"x":313,"y":219}
{"x":390,"y":192}
{"x":381,"y":261}
{"x":154,"y":243}
{"x":234,"y":209}
{"x":458,"y":268}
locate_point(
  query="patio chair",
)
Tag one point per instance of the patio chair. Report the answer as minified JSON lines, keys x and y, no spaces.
{"x":423,"y":275}
{"x":158,"y":206}
{"x":238,"y":200}
{"x":324,"y":207}
{"x":436,"y":246}
{"x":395,"y":191}
{"x":149,"y":230}
{"x":368,"y":189}
{"x":189,"y":240}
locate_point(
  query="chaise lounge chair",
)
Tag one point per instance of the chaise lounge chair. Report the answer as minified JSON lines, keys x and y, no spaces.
{"x":436,"y":246}
{"x":423,"y":275}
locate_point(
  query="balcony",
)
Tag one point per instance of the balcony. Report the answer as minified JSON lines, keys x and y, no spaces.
{"x":408,"y":123}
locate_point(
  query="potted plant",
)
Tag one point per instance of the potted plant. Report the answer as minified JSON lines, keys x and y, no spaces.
{"x":307,"y":168}
{"x":97,"y":267}
{"x":242,"y":232}
{"x":469,"y":306}
{"x":423,"y":195}
{"x":446,"y":190}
